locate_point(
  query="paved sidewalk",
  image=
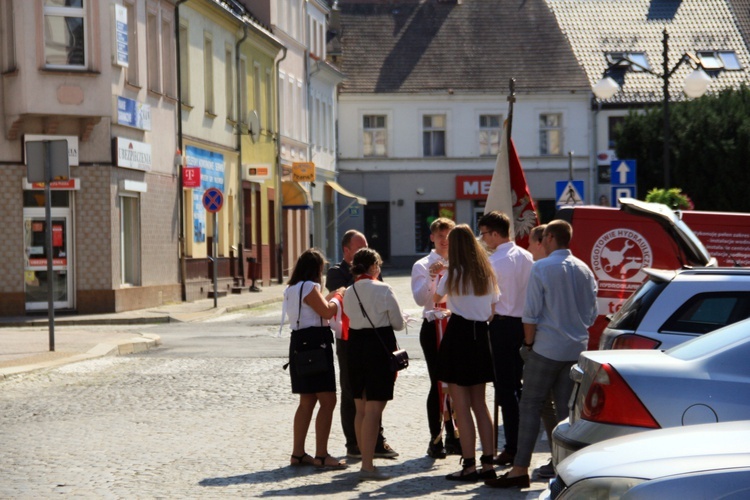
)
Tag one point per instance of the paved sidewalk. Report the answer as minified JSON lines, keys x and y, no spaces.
{"x":24,"y":340}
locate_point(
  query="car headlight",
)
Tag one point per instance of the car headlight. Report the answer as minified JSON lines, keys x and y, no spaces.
{"x":600,"y":488}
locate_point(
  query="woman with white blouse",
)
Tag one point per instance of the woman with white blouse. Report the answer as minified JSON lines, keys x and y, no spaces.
{"x":373,"y":314}
{"x":307,"y":307}
{"x":464,"y":355}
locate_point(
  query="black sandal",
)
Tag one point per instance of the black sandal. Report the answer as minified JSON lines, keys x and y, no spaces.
{"x":338,"y":465}
{"x":301,"y":460}
{"x":462,"y":475}
{"x":487,"y":474}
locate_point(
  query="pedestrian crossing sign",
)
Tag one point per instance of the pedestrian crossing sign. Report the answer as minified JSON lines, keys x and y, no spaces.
{"x":569,"y":193}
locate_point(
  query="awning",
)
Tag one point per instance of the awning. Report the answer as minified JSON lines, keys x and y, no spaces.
{"x":294,"y":196}
{"x":340,"y":190}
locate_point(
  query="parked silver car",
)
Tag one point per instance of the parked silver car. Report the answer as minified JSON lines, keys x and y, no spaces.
{"x":617,"y":393}
{"x":674,"y":306}
{"x":697,"y":461}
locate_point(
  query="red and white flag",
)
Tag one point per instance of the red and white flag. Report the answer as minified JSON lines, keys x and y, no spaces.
{"x":509,"y":192}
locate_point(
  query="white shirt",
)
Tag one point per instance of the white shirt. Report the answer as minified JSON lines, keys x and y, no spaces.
{"x":512,"y":266}
{"x":423,"y":285}
{"x":306,"y":314}
{"x":379,"y":302}
{"x":469,"y":306}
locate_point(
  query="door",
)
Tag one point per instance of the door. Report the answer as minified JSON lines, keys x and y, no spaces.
{"x":377,"y":229}
{"x":36,"y":279}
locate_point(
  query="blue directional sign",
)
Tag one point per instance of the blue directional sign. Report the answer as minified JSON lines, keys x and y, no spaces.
{"x":569,"y":193}
{"x":213,"y":199}
{"x":622,"y":173}
{"x":622,"y":192}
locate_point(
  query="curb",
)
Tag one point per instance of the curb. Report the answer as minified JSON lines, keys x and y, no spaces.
{"x":131,"y":346}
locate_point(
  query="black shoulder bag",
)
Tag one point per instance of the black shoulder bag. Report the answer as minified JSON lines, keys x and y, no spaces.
{"x":310,"y":357}
{"x":399,"y":359}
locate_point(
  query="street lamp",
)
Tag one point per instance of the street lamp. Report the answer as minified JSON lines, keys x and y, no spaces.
{"x":696,"y":84}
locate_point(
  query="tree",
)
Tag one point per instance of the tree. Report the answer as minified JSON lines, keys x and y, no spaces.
{"x":710,"y":149}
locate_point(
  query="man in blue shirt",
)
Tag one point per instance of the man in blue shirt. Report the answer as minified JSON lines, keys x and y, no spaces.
{"x":560,"y":306}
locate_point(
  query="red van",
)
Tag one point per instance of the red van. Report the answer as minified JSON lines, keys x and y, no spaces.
{"x":618,"y":244}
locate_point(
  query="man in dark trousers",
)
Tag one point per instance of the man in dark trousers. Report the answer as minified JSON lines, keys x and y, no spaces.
{"x":339,"y":276}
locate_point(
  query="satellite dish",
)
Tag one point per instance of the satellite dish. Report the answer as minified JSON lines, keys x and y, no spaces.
{"x":253,"y":125}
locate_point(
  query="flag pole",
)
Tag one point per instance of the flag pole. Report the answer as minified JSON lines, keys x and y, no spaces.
{"x":511,"y":100}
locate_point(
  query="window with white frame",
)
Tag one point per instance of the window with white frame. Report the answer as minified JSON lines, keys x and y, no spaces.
{"x":490,"y":128}
{"x":169,"y":81}
{"x":208,"y":73}
{"x":184,"y":65}
{"x":65,"y":34}
{"x":229,"y":82}
{"x":433,"y":135}
{"x":131,"y":76}
{"x":244,"y":108}
{"x":550,"y":134}
{"x":374,"y":135}
{"x":152,"y":50}
{"x":130,"y":239}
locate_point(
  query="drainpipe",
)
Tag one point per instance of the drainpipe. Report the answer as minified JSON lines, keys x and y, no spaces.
{"x":279,"y":211}
{"x":183,"y":266}
{"x":240,"y":190}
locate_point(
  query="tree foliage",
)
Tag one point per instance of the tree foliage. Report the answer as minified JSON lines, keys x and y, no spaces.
{"x":709,"y":146}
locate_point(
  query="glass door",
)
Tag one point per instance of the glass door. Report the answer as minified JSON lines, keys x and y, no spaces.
{"x":36,"y":279}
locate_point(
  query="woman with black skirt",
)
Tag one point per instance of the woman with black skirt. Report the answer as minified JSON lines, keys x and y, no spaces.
{"x":373,"y":314}
{"x":309,"y":312}
{"x":464,"y":356}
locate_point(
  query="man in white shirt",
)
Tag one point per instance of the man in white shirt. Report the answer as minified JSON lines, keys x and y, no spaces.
{"x":425,"y":275}
{"x":512,"y":266}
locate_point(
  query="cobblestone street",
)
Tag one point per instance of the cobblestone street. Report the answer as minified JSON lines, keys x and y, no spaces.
{"x":148,"y":426}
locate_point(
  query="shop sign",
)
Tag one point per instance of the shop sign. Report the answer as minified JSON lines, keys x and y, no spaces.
{"x":132,"y":154}
{"x":72,"y":144}
{"x":473,"y":187}
{"x":132,"y":113}
{"x":257,"y":172}
{"x":191,"y":177}
{"x":120,"y":56}
{"x":303,"y":172}
{"x":67,"y":185}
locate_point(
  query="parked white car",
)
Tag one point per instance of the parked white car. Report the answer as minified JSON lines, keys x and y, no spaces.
{"x":622,"y":392}
{"x":697,"y":461}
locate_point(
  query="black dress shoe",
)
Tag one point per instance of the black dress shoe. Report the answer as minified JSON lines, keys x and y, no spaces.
{"x":509,"y":482}
{"x":436,"y":450}
{"x":504,"y":458}
{"x":452,"y":446}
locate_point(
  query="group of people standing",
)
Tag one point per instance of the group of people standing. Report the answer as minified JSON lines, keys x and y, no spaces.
{"x":492,"y":312}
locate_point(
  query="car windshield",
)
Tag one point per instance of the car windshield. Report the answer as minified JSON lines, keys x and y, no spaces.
{"x":730,"y":336}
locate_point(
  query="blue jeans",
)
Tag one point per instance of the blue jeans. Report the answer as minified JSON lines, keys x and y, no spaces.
{"x":540,"y":376}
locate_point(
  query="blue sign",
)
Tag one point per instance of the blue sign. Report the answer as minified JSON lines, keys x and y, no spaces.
{"x":622,"y":192}
{"x":133,"y":113}
{"x":213,"y":199}
{"x":212,"y":176}
{"x":622,"y":173}
{"x":569,"y":193}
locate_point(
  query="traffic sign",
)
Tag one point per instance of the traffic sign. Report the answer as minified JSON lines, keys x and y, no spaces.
{"x":569,"y":193}
{"x":623,"y":173}
{"x":213,"y":199}
{"x":622,"y":192}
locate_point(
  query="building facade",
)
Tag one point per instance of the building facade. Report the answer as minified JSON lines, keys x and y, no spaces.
{"x":101,"y":77}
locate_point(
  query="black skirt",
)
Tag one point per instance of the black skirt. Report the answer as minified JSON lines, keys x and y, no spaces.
{"x":464,"y":357}
{"x":370,"y":375}
{"x":306,"y":339}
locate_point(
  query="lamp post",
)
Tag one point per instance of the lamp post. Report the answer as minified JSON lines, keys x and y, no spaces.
{"x":696,"y":84}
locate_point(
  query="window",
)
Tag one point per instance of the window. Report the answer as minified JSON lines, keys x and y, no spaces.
{"x":374,"y":135}
{"x":716,"y":61}
{"x":7,"y":41}
{"x":258,"y":105}
{"x":615,"y":123}
{"x":130,"y":241}
{"x":707,"y":312}
{"x":64,"y":34}
{"x":269,"y":100}
{"x":169,"y":84}
{"x":634,"y":61}
{"x":152,"y":48}
{"x":489,"y":134}
{"x":229,"y":83}
{"x":550,"y":134}
{"x":184,"y":65}
{"x":132,"y":72}
{"x":208,"y":73}
{"x":433,"y":135}
{"x":244,"y":108}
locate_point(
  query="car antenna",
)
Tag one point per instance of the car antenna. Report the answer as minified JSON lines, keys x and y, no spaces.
{"x":736,"y":264}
